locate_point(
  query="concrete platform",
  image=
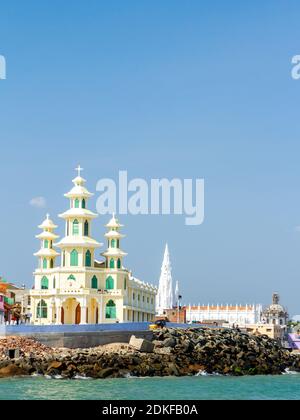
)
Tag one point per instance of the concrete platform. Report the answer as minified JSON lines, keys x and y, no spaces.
{"x":79,"y":336}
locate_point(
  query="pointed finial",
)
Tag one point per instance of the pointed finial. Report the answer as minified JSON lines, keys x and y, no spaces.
{"x":79,"y":169}
{"x":47,"y":216}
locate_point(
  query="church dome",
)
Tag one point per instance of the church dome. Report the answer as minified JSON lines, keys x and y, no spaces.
{"x":276,"y":308}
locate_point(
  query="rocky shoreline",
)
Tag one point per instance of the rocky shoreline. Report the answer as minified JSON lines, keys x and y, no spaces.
{"x":177,"y":352}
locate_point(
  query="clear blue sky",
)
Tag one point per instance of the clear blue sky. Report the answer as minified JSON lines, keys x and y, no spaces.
{"x":162,"y":89}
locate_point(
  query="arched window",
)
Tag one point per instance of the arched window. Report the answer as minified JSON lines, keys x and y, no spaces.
{"x":76,"y":203}
{"x":125,"y":283}
{"x":111,"y":312}
{"x":45,"y":263}
{"x":88,"y":258}
{"x":109,"y":284}
{"x":64,"y":258}
{"x":74,"y":258}
{"x":41,"y":310}
{"x":54,"y":283}
{"x":113,"y":243}
{"x":112,"y":263}
{"x":46,"y":243}
{"x":119,"y":263}
{"x":51,"y":263}
{"x":44,"y":283}
{"x":86,"y":228}
{"x":94,"y":283}
{"x":71,"y":277}
{"x":75,"y":227}
{"x":83,"y":204}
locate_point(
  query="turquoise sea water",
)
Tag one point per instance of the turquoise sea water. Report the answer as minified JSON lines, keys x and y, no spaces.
{"x":189,"y":388}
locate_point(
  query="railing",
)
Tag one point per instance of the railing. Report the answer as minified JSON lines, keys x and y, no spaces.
{"x":74,"y":291}
{"x":43,"y":292}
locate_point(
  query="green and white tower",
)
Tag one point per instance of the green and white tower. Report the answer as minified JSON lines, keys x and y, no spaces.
{"x":78,"y":247}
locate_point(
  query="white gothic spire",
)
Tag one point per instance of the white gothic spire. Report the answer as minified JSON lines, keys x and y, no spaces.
{"x":177,"y":291}
{"x":165,"y":289}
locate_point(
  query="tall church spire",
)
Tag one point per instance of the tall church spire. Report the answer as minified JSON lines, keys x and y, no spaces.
{"x":47,"y":254}
{"x":78,"y":247}
{"x":114,"y":255}
{"x":165,"y":289}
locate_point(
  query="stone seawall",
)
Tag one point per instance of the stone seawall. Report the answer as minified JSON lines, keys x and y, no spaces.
{"x":176,"y":352}
{"x":86,"y":339}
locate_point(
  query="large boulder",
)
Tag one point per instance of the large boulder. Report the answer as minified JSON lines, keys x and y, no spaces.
{"x":142,"y":345}
{"x":11,"y":370}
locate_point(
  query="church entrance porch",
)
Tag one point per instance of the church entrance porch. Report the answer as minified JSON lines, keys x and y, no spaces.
{"x":71,"y":312}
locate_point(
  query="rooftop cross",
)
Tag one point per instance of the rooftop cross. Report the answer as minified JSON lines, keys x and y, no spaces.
{"x":79,"y":169}
{"x":47,"y":216}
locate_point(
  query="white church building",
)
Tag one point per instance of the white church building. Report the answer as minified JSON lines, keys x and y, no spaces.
{"x":81,"y":289}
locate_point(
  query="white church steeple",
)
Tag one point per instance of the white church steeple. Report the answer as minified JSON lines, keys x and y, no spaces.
{"x":47,"y":254}
{"x":165,"y":289}
{"x":78,"y":246}
{"x":114,"y":255}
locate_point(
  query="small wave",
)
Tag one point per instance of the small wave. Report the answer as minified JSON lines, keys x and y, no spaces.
{"x":204,"y":373}
{"x":290,"y":372}
{"x":79,"y":377}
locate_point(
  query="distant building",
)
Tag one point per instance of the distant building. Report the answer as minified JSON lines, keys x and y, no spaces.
{"x":232,"y":314}
{"x":7,"y":301}
{"x":276,"y":332}
{"x":176,"y":315}
{"x":275,"y":313}
{"x":1,"y":305}
{"x":22,"y":305}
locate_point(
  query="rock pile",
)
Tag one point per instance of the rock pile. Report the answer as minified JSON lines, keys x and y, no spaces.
{"x":225,"y":352}
{"x":26,"y":346}
{"x":176,"y":352}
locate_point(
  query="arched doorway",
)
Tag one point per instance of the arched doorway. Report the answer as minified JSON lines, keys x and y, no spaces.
{"x":62,"y":315}
{"x":78,"y":314}
{"x":71,"y":312}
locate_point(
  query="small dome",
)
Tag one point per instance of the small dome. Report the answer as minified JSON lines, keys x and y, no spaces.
{"x":79,"y":180}
{"x":114,"y":222}
{"x":47,"y":223}
{"x":275,"y":308}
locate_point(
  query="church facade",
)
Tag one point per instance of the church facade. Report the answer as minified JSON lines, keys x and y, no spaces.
{"x":81,"y":289}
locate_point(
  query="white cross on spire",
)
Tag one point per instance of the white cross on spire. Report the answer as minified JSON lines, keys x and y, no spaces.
{"x":79,"y":169}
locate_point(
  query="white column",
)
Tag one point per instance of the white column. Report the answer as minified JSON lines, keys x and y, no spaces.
{"x":50,"y":317}
{"x":100,"y":313}
{"x":58,"y":314}
{"x":83,"y":315}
